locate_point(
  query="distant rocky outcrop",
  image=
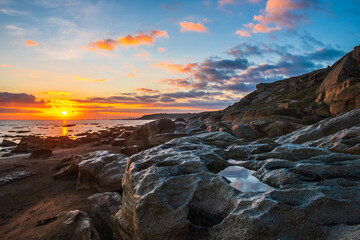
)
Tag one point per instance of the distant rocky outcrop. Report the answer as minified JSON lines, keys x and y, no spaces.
{"x":305,"y":99}
{"x":165,"y":115}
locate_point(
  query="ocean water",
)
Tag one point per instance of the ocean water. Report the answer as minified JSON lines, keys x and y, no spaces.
{"x":14,"y":129}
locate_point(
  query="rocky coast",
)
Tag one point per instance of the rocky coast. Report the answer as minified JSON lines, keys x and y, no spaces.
{"x":283,"y":163}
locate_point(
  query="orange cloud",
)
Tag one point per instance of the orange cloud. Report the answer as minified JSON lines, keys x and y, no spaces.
{"x":6,"y":66}
{"x":144,"y":54}
{"x":131,"y":75}
{"x":176,"y":68}
{"x":243,"y":33}
{"x":192,"y":27}
{"x":31,"y":43}
{"x":261,"y":28}
{"x":91,"y":80}
{"x":161,"y":49}
{"x":147,"y":90}
{"x":142,"y":38}
{"x":107,"y":44}
{"x":54,"y":92}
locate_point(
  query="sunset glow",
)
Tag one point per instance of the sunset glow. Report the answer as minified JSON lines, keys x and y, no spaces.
{"x":125,"y":59}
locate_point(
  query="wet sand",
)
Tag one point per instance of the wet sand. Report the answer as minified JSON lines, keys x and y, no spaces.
{"x":34,"y":207}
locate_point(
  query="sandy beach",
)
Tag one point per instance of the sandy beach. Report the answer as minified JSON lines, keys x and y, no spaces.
{"x":34,"y":207}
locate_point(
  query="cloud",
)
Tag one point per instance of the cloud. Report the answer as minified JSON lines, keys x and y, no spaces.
{"x":326,"y":54}
{"x":172,"y":6}
{"x":161,"y":49}
{"x":243,"y":33}
{"x":31,"y":43}
{"x":176,"y":68}
{"x":131,"y":75}
{"x":6,"y":97}
{"x":241,"y":76}
{"x":245,"y":49}
{"x":12,"y":12}
{"x":192,"y":27}
{"x":17,"y":110}
{"x":91,"y":80}
{"x":107,"y":44}
{"x":58,"y":93}
{"x":277,"y":15}
{"x":6,"y":66}
{"x":142,"y":38}
{"x":147,"y":90}
{"x":144,"y":54}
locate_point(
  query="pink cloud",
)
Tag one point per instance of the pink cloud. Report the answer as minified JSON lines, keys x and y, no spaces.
{"x":278,"y":14}
{"x":243,"y":33}
{"x":6,"y":66}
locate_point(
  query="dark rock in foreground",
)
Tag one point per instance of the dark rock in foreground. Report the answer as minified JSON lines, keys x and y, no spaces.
{"x":173,"y":191}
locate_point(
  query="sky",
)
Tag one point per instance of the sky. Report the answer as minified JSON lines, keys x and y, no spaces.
{"x":111,"y":59}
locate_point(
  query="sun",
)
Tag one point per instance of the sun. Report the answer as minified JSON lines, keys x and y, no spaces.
{"x":64,"y":113}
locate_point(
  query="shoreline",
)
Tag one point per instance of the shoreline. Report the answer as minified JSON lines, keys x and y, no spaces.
{"x":33,"y":200}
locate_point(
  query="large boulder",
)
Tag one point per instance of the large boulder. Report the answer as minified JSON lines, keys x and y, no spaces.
{"x":84,"y":229}
{"x":323,"y":128}
{"x":104,"y":207}
{"x":185,"y":189}
{"x":7,"y":143}
{"x":245,"y":131}
{"x":102,"y":170}
{"x":141,"y":134}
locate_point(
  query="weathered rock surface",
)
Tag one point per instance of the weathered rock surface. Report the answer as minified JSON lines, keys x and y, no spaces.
{"x":84,"y":229}
{"x":141,"y":134}
{"x":102,"y":170}
{"x":245,"y":131}
{"x":173,"y":191}
{"x":7,"y":143}
{"x":323,"y":128}
{"x":104,"y":207}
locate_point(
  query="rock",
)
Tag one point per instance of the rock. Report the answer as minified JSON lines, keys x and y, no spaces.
{"x":69,"y":170}
{"x":245,"y":131}
{"x":84,"y":230}
{"x":7,"y":143}
{"x":173,"y":191}
{"x":163,"y":212}
{"x":323,"y":128}
{"x":345,"y":141}
{"x":125,"y":134}
{"x":119,"y":142}
{"x":104,"y":207}
{"x":130,"y":150}
{"x":196,"y":124}
{"x":102,"y":170}
{"x":41,"y":153}
{"x":141,"y":134}
{"x":161,"y":138}
{"x":341,"y":87}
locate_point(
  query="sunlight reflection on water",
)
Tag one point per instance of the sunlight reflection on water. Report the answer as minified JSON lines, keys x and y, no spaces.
{"x":243,"y":180}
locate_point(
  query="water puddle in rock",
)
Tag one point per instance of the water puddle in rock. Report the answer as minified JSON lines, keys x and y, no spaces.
{"x":13,"y":176}
{"x":243,"y":180}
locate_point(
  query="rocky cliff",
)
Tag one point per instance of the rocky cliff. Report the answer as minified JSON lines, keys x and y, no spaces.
{"x":306,"y":99}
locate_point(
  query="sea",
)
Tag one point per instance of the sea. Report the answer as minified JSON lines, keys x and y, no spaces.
{"x":13,"y":130}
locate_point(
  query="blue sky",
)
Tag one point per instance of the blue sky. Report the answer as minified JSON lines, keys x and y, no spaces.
{"x":106,"y":59}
